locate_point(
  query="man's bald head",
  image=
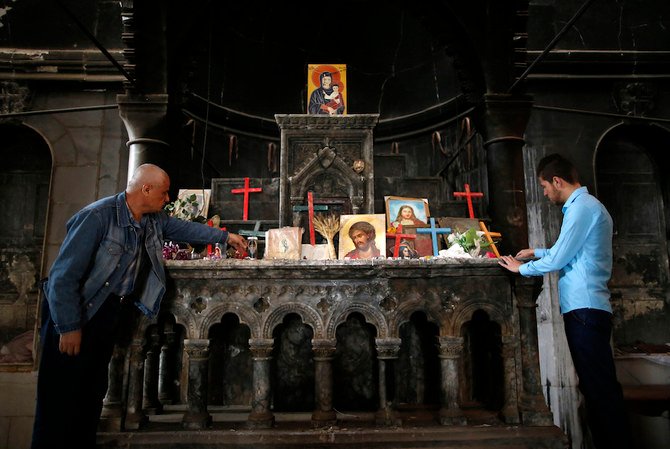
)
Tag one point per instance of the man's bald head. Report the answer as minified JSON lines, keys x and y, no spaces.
{"x":147,"y":190}
{"x":147,"y":174}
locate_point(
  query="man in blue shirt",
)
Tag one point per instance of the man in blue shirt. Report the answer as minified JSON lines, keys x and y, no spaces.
{"x":583,"y":257}
{"x":111,"y":257}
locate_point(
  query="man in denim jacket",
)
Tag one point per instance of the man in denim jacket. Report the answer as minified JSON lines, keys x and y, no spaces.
{"x":112,"y":252}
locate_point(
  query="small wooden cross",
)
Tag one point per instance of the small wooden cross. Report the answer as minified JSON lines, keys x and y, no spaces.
{"x":433,"y":231}
{"x":469,"y":195}
{"x":310,"y":208}
{"x":210,"y":223}
{"x":398,"y":236}
{"x":489,"y":236}
{"x":246,"y":190}
{"x":256,"y":231}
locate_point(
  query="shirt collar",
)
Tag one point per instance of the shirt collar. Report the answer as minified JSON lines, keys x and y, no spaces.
{"x":573,"y":196}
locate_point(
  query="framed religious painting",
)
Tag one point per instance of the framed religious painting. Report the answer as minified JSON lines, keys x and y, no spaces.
{"x":190,"y":204}
{"x":422,"y":244}
{"x":406,"y":211}
{"x":327,"y":89}
{"x":362,"y":236}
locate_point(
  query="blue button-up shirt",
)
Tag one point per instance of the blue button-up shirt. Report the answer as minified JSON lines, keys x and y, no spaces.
{"x":582,"y":254}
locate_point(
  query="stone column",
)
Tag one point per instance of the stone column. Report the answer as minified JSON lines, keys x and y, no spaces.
{"x":387,"y":353}
{"x":510,"y":410}
{"x":135,"y":417}
{"x":261,"y":352}
{"x":534,"y":410}
{"x":323,"y":415}
{"x":112,"y":405}
{"x":505,"y":122}
{"x":196,"y":416}
{"x":165,"y":370}
{"x":451,"y":349}
{"x":144,"y":117}
{"x":150,"y":403}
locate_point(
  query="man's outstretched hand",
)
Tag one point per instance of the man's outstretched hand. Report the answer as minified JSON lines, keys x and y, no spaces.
{"x":510,"y":263}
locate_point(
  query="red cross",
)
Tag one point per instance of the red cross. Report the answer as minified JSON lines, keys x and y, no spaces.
{"x":246,"y":190}
{"x":310,"y":214}
{"x":398,"y":236}
{"x":469,"y":195}
{"x":210,"y":223}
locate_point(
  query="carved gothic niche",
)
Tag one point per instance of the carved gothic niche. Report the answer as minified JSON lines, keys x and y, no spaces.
{"x":329,"y":156}
{"x":636,"y":99}
{"x":13,"y":97}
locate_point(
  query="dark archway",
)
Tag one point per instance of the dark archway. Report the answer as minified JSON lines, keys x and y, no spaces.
{"x":630,"y":183}
{"x":293,"y":366}
{"x":25,"y":177}
{"x":482,"y":364}
{"x":418,"y":365}
{"x":230,"y":363}
{"x":355,"y":381}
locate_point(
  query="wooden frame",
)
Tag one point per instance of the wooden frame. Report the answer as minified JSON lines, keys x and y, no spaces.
{"x":396,"y":204}
{"x":347,"y":248}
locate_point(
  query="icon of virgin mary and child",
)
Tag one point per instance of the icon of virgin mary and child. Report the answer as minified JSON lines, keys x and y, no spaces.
{"x":326,"y":99}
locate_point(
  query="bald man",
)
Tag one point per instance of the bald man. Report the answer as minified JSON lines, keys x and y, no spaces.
{"x":110,"y":260}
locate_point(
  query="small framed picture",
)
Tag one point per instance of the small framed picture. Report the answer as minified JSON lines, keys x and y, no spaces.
{"x":406,"y":211}
{"x":362,"y":236}
{"x":194,"y":202}
{"x":422,"y":244}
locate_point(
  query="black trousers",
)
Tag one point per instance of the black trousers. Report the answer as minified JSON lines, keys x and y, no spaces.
{"x":70,"y":389}
{"x":588,"y":333}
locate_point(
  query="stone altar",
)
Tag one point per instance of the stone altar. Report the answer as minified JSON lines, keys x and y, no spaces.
{"x":469,"y":308}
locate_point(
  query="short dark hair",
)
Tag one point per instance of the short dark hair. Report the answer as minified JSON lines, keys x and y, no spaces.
{"x":363,"y":226}
{"x":556,"y":165}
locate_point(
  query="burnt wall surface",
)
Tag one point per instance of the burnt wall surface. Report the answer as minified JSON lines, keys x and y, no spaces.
{"x":620,"y":160}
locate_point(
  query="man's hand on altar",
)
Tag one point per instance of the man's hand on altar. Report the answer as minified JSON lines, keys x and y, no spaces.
{"x":237,"y":241}
{"x":510,"y":263}
{"x":525,"y":254}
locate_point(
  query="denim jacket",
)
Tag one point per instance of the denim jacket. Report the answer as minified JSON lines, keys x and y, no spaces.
{"x":96,"y":252}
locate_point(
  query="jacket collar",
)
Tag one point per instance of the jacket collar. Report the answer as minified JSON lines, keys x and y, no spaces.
{"x":122,"y":212}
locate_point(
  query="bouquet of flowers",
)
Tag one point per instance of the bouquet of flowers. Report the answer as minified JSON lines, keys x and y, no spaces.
{"x":469,"y":243}
{"x":171,"y":251}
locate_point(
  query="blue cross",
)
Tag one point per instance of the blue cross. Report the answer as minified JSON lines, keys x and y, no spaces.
{"x":433,"y":231}
{"x":256,"y":232}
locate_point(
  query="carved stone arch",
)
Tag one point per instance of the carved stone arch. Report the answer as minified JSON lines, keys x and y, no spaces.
{"x":496,"y":313}
{"x":26,"y":177}
{"x":309,"y":316}
{"x":143,"y":324}
{"x":354,"y":184}
{"x":184,"y":317}
{"x":57,"y":136}
{"x":245,"y":315}
{"x":404,"y":312}
{"x":372,"y":316}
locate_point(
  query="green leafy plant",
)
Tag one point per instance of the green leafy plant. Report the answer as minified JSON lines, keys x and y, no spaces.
{"x":186,"y":208}
{"x":472,"y":241}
